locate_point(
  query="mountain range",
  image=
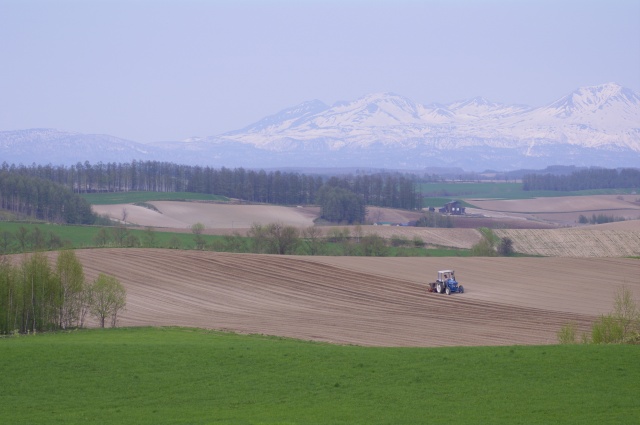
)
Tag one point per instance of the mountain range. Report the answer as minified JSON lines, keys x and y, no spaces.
{"x":592,"y":126}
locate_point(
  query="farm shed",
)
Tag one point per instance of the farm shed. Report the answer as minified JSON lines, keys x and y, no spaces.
{"x":453,"y":208}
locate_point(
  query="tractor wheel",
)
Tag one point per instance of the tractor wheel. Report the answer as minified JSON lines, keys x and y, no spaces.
{"x":438,"y":288}
{"x":448,"y":291}
{"x":461,"y":290}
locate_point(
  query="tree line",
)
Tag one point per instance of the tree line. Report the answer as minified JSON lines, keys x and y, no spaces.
{"x":383,"y":189}
{"x":31,"y":196}
{"x":591,"y":178}
{"x":36,"y":297}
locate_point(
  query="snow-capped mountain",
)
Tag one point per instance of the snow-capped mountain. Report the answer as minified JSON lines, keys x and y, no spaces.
{"x":592,"y":126}
{"x":597,"y":125}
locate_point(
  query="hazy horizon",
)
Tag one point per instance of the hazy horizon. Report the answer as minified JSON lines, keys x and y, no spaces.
{"x":168,"y":70}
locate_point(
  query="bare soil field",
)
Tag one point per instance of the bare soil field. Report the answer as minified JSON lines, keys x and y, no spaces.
{"x":575,"y":242}
{"x":182,"y":215}
{"x":563,"y":211}
{"x":363,"y":301}
{"x":450,"y":238}
{"x":536,"y":226}
{"x":225,"y":219}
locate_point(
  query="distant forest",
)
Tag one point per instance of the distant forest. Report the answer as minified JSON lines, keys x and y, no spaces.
{"x":587,"y":179}
{"x":344,"y":202}
{"x":30,"y":196}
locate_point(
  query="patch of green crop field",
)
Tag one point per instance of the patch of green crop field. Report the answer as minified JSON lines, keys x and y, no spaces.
{"x":77,"y":236}
{"x":111,"y":198}
{"x":189,"y":376}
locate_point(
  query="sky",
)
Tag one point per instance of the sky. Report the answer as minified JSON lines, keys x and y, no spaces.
{"x":164,"y":70}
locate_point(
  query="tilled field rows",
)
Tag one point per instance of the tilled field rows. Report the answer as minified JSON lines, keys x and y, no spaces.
{"x":574,"y":242}
{"x":342,"y":300}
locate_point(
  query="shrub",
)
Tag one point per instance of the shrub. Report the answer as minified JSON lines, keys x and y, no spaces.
{"x":418,"y":242}
{"x":606,"y":330}
{"x":568,"y":333}
{"x":620,"y":327}
{"x":506,"y":247}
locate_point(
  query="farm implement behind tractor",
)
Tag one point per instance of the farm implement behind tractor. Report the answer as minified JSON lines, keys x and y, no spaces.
{"x":446,"y":283}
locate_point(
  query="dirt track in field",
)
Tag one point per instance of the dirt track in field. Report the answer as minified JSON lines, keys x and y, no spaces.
{"x":364,"y":301}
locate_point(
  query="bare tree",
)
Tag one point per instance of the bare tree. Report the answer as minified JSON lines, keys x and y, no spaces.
{"x":312,"y":239}
{"x":274,"y":238}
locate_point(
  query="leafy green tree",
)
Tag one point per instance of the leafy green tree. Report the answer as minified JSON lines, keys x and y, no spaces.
{"x":312,"y":240}
{"x":197,"y":230}
{"x":40,"y":294}
{"x":606,"y":330}
{"x":149,"y":237}
{"x":22,"y":236}
{"x":274,"y":238}
{"x":54,"y":241}
{"x":70,"y":276}
{"x":622,"y":325}
{"x":627,"y":313}
{"x":38,"y":240}
{"x":486,"y":246}
{"x":568,"y":333}
{"x":102,"y":237}
{"x":6,"y":238}
{"x":373,"y":246}
{"x":132,"y":241}
{"x":505,"y":248}
{"x":120,"y":233}
{"x":174,"y":242}
{"x":10,"y":297}
{"x":338,"y":235}
{"x":340,"y":205}
{"x":108,"y":299}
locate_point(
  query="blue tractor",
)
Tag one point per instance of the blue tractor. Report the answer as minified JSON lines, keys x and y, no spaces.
{"x":446,"y":283}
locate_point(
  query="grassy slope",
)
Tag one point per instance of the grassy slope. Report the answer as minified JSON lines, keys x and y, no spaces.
{"x":135,"y":197}
{"x":173,"y":376}
{"x":79,"y":237}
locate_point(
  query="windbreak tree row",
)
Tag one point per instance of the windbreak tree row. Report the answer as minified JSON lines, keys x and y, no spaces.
{"x":31,"y":196}
{"x":393,"y":190}
{"x":592,"y":178}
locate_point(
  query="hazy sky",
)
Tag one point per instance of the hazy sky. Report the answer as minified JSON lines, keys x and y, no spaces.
{"x":167,"y":70}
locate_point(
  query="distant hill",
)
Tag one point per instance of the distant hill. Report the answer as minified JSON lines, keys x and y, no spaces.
{"x":591,"y":126}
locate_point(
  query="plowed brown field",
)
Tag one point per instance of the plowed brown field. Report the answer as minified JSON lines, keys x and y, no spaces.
{"x":365,"y":301}
{"x":563,"y":210}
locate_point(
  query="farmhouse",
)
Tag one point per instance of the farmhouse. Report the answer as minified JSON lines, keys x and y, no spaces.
{"x":452,"y":208}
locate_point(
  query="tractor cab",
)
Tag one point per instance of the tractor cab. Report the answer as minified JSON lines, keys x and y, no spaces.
{"x":446,"y":275}
{"x":446,"y":283}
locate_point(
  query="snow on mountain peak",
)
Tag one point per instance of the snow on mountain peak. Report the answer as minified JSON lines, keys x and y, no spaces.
{"x":606,"y":115}
{"x":593,"y":98}
{"x":289,"y":117}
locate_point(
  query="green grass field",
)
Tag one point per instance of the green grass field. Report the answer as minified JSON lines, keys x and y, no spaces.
{"x":187,"y":376}
{"x":111,"y":198}
{"x":440,"y":193}
{"x":83,"y":236}
{"x":78,"y":237}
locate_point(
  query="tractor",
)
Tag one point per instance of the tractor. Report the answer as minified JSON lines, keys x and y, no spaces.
{"x":446,"y":283}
